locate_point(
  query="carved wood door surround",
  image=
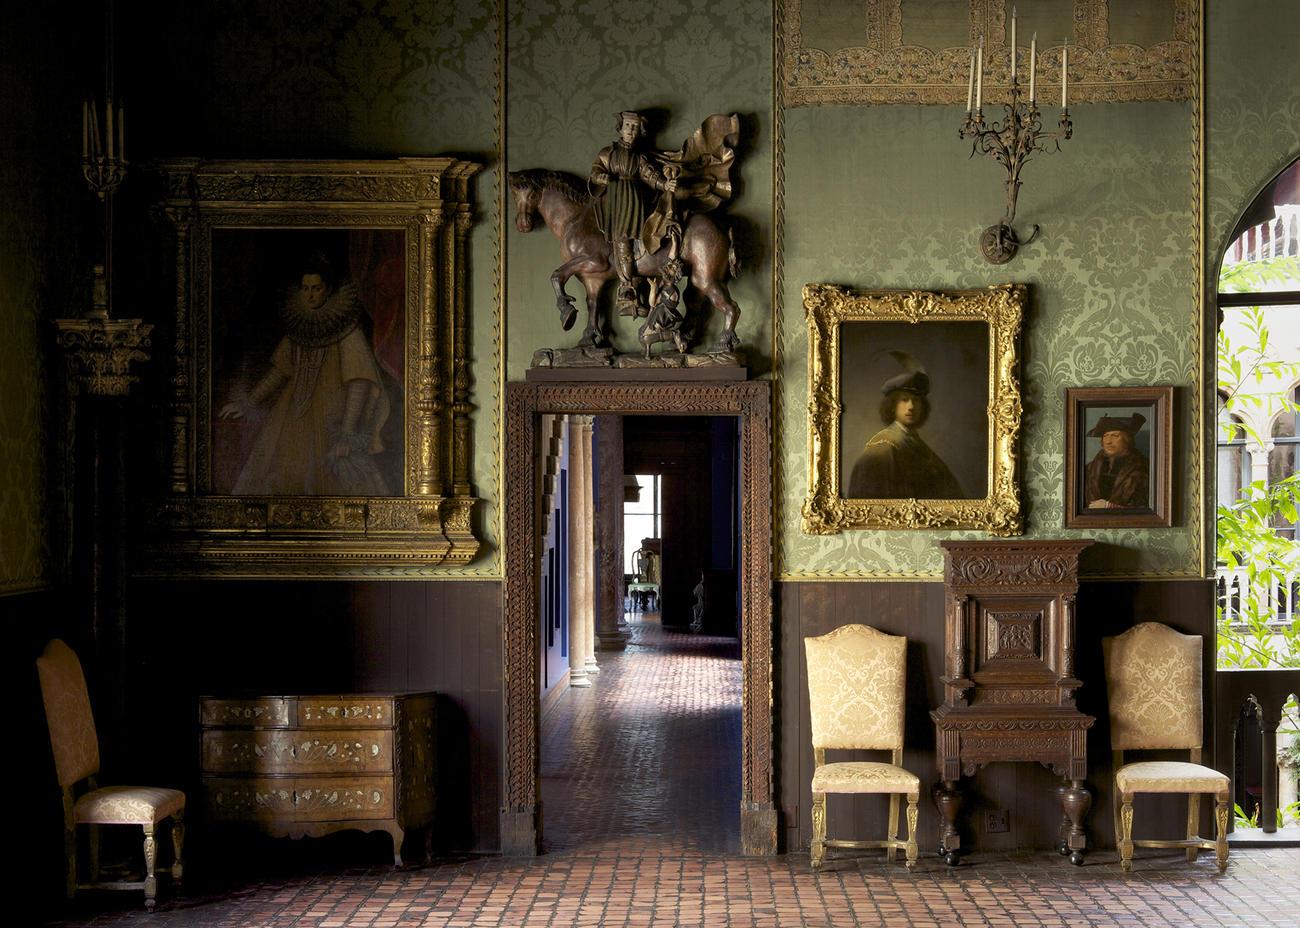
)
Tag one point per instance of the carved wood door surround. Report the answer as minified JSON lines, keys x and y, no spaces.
{"x":525,"y":403}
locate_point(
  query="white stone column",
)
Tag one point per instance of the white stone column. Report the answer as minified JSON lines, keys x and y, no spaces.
{"x":587,"y":427}
{"x":580,"y":567}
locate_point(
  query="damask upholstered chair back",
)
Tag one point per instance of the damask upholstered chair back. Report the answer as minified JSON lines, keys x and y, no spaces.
{"x":75,"y":746}
{"x":856,"y":689}
{"x":1153,"y":684}
{"x":67,"y":712}
{"x":1154,"y":687}
{"x":856,"y":676}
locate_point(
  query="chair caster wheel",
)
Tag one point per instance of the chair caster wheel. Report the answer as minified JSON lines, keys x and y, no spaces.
{"x":1076,"y":858}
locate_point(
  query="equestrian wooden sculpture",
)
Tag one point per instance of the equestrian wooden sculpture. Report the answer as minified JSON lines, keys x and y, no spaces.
{"x":606,"y":232}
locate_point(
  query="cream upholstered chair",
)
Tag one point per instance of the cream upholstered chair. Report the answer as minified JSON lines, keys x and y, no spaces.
{"x":1153,"y":681}
{"x":856,"y":678}
{"x":76,"y":758}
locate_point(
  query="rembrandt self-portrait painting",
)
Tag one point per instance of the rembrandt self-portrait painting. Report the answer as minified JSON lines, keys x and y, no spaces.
{"x":914,"y":405}
{"x":308,"y":355}
{"x":915,"y":422}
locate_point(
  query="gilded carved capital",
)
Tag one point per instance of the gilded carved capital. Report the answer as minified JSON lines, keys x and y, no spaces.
{"x":100,"y":351}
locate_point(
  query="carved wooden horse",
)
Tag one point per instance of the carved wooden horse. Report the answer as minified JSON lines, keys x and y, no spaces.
{"x":562,"y":201}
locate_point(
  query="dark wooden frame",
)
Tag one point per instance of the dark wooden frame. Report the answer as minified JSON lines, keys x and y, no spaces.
{"x":1159,"y":401}
{"x":521,"y":820}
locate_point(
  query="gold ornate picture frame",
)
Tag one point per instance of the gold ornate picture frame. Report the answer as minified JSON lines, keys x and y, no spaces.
{"x":947,"y":457}
{"x":321,"y":394}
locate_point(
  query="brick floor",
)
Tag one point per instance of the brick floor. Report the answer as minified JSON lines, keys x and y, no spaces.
{"x":640,"y":790}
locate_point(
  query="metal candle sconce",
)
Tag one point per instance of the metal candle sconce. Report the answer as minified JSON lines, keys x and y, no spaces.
{"x":1012,"y":140}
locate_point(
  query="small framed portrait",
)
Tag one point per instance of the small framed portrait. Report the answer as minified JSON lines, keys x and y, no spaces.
{"x":320,"y":413}
{"x":915,"y":409}
{"x":1118,"y":444}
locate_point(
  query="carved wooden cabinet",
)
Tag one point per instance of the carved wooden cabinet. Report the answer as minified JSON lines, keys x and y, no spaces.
{"x":295,"y":766}
{"x":1008,"y":678}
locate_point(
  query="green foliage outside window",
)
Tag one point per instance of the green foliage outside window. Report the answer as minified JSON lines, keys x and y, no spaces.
{"x":1256,"y":636}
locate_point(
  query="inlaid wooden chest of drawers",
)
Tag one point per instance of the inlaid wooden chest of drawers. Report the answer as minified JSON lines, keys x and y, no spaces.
{"x":295,"y":766}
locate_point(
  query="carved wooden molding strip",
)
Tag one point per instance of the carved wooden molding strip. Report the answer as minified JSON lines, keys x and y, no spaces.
{"x":525,"y":404}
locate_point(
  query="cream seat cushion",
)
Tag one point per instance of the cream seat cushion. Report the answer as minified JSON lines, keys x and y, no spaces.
{"x":864,"y":777}
{"x":1169,"y":776}
{"x":128,"y":805}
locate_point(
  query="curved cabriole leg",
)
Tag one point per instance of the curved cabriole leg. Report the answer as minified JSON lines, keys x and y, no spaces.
{"x":150,"y":860}
{"x":1125,"y":838}
{"x":817,"y":850}
{"x":178,"y":845}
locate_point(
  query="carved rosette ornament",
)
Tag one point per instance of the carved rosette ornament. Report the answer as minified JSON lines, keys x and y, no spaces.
{"x":100,"y":351}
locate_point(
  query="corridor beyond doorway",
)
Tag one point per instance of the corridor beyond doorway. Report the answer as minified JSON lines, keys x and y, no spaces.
{"x":647,"y":760}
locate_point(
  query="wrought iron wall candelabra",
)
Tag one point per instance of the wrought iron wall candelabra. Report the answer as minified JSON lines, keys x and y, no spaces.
{"x":100,"y":348}
{"x":1012,"y":140}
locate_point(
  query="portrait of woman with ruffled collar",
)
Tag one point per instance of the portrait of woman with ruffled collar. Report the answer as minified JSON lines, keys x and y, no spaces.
{"x":304,"y":405}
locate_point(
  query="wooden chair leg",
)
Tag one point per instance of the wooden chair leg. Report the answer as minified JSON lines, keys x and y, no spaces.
{"x":178,"y":845}
{"x":1221,"y":831}
{"x":69,"y":847}
{"x":893,"y":826}
{"x":911,"y":829}
{"x":817,"y":850}
{"x":1193,"y":825}
{"x":150,"y":861}
{"x":1126,"y":832}
{"x":92,"y":852}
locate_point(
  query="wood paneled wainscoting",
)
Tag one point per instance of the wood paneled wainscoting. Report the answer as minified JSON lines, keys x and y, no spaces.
{"x":1026,"y":792}
{"x":198,"y":637}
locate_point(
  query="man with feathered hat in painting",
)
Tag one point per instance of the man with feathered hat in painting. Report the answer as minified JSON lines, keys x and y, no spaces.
{"x":1117,"y":477}
{"x":896,"y":463}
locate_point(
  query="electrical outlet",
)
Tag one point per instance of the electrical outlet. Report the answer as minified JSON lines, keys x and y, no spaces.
{"x":997,"y":820}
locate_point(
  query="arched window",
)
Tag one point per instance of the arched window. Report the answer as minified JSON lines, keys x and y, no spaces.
{"x":1233,"y":471}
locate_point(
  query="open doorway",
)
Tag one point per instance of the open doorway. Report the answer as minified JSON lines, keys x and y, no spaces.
{"x":681,"y":536}
{"x":748,"y":403}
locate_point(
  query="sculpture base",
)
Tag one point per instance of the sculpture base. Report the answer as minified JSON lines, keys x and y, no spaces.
{"x":551,"y":364}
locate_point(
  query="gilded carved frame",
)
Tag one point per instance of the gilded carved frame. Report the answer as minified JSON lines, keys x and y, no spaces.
{"x":829,"y":309}
{"x":421,"y":209}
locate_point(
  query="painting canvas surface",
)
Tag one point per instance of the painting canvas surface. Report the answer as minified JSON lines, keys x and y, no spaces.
{"x":308,"y":361}
{"x":955,"y":358}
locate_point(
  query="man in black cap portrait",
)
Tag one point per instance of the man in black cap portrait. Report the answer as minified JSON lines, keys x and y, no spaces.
{"x":896,"y":463}
{"x":1117,"y":477}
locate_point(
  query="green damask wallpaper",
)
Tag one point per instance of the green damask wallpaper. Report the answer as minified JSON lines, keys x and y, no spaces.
{"x":886,"y":197}
{"x":305,"y":79}
{"x":39,"y":187}
{"x":869,"y":196}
